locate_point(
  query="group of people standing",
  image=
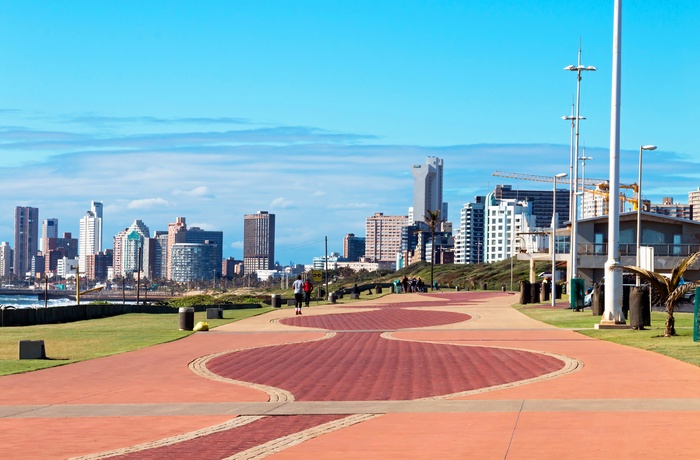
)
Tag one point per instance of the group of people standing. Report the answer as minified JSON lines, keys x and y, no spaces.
{"x":411,"y":285}
{"x":302,"y":292}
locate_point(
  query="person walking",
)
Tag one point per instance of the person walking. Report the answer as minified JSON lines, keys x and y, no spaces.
{"x":298,"y":293}
{"x":308,"y":288}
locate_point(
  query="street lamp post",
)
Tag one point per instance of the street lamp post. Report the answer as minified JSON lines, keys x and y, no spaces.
{"x":574,"y":222}
{"x":555,"y":224}
{"x":572,"y":185}
{"x":583,"y":161}
{"x":639,"y":205}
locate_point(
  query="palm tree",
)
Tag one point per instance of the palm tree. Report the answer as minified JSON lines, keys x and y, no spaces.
{"x":432,"y":219}
{"x":670,"y":290}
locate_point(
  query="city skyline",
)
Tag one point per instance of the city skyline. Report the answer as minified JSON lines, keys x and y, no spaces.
{"x":220,"y":111}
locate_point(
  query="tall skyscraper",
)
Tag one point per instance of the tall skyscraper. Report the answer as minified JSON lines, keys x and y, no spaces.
{"x":49,"y":229}
{"x":26,"y":238}
{"x":5,"y":259}
{"x":258,"y":242}
{"x":427,"y":190}
{"x":383,"y":237}
{"x":177,"y":233}
{"x":90,"y":238}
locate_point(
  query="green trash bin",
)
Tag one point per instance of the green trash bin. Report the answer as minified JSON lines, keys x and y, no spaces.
{"x":576,"y":294}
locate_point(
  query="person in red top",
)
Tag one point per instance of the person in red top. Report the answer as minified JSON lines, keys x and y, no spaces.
{"x":308,"y":288}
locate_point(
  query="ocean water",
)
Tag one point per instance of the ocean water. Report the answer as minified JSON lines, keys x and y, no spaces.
{"x":26,"y":301}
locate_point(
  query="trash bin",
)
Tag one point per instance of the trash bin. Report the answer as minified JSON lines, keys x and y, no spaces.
{"x":276,"y":301}
{"x":186,"y":318}
{"x":485,"y":286}
{"x":545,"y":292}
{"x":558,"y":290}
{"x":576,"y":294}
{"x":525,"y":297}
{"x":332,"y":297}
{"x":635,"y":308}
{"x":215,"y":313}
{"x":598,"y":300}
{"x":535,"y":292}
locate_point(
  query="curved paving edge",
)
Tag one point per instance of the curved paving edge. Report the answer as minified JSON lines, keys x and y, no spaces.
{"x":570,"y":365}
{"x":199,"y":367}
{"x":279,"y":444}
{"x":234,"y":423}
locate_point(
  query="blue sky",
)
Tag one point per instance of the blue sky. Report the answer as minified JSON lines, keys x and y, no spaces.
{"x":315,"y":110}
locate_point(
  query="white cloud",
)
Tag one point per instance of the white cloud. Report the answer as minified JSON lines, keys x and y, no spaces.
{"x":147,"y":203}
{"x":281,"y":203}
{"x":200,"y":191}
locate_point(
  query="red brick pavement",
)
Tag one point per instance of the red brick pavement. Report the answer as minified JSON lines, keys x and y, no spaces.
{"x":382,"y":320}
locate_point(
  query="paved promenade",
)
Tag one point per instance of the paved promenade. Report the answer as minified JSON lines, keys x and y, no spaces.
{"x":453,"y":375}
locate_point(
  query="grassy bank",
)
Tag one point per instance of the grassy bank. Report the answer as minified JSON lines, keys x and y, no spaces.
{"x":83,"y":340}
{"x":652,"y":338}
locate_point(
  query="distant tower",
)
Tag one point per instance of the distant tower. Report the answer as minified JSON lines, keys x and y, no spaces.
{"x":258,"y":242}
{"x":353,"y":247}
{"x":90,"y":236}
{"x":49,"y":229}
{"x":177,"y":233}
{"x":427,"y":189}
{"x":26,"y":238}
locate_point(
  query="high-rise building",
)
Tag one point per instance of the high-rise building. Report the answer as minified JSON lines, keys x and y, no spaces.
{"x":216,"y":237}
{"x":505,"y":219}
{"x":231,"y":267}
{"x":193,"y":262}
{"x":26,"y":239}
{"x":49,"y":229}
{"x":5,"y":259}
{"x":353,"y":247}
{"x":427,"y":190}
{"x":97,"y":265}
{"x":90,"y":237}
{"x":469,"y":243}
{"x":126,"y":248}
{"x":155,"y":255}
{"x":258,"y":242}
{"x":541,"y":203}
{"x":383,"y":237}
{"x":177,"y":233}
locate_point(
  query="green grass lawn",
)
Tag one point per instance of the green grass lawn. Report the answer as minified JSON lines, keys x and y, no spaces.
{"x":82,"y":340}
{"x":652,"y":338}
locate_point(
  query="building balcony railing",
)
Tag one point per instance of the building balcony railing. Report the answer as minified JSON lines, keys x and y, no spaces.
{"x":660,"y":250}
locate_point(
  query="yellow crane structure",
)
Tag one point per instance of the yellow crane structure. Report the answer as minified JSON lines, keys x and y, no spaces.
{"x":598,"y":187}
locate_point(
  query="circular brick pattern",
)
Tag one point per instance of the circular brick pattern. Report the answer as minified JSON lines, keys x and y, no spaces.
{"x":377,"y":320}
{"x":362,"y":366}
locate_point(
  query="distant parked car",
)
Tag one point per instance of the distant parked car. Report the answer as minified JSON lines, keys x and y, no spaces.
{"x":588,"y":297}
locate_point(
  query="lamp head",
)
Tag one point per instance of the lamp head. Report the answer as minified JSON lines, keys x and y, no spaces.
{"x":570,"y":67}
{"x":561,"y":175}
{"x":648,"y":147}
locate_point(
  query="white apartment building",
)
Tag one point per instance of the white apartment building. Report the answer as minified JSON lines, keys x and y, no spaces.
{"x":505,"y":219}
{"x":5,"y":259}
{"x":90,"y":238}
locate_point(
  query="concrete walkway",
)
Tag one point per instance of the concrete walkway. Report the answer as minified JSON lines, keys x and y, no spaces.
{"x":445,"y":375}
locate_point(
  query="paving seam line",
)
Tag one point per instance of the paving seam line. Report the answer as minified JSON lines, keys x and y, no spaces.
{"x":234,"y":423}
{"x":279,"y":444}
{"x":570,"y":365}
{"x":199,"y":367}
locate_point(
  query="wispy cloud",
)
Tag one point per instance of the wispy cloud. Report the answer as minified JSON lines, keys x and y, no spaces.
{"x":147,"y":203}
{"x":318,"y":183}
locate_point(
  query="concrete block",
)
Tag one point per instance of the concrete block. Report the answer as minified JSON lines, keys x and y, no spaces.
{"x":32,"y":349}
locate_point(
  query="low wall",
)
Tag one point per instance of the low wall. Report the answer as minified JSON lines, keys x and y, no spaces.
{"x":71,"y":313}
